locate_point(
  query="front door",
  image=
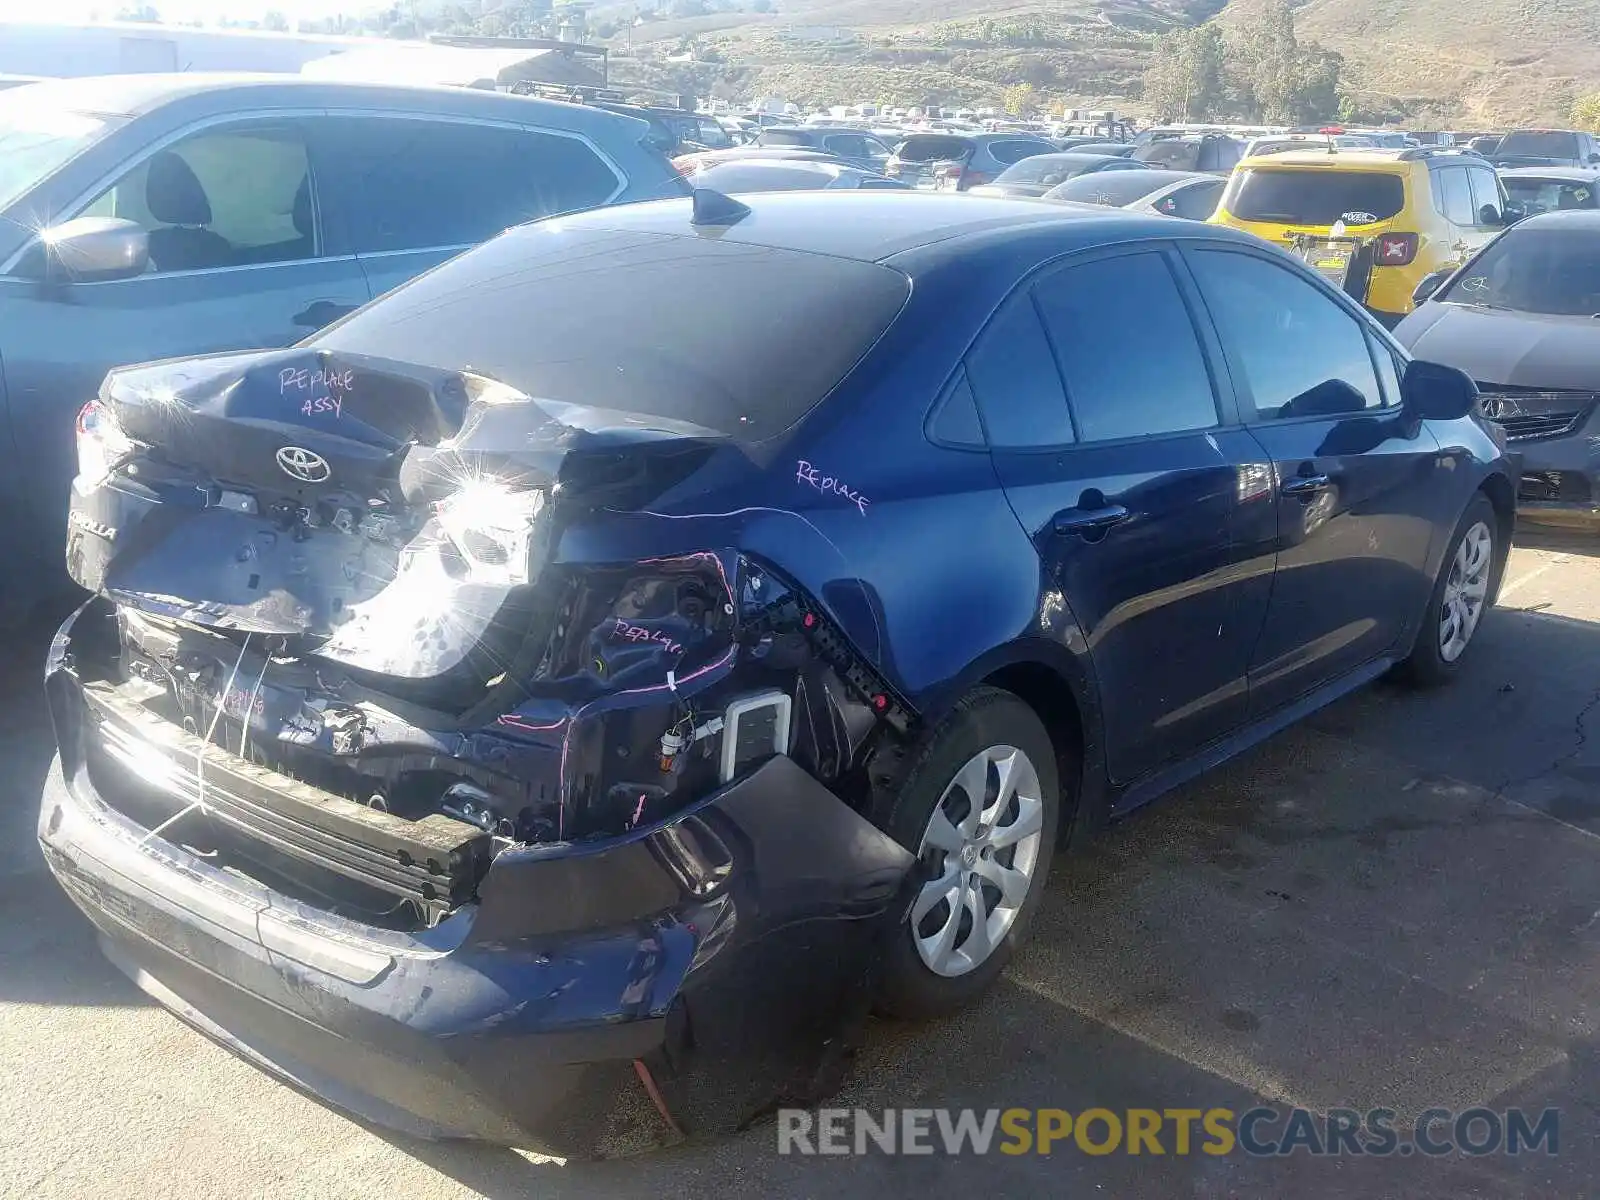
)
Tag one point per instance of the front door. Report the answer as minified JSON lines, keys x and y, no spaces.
{"x":238,"y":261}
{"x":1105,"y":428}
{"x":1353,"y":477}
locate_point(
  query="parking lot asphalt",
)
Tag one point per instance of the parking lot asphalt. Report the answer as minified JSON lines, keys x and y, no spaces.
{"x":1395,"y":904}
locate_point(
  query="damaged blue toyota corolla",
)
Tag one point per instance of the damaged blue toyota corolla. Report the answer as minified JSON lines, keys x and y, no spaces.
{"x":554,"y":703}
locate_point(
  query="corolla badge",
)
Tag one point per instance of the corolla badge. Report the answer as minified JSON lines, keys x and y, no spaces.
{"x":302,"y":464}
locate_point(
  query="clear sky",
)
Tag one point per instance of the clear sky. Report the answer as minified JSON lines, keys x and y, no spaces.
{"x":177,"y":10}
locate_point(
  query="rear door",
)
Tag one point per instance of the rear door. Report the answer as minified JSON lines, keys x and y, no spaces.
{"x":241,"y":258}
{"x":1355,"y":484}
{"x":1106,"y":428}
{"x":414,"y":190}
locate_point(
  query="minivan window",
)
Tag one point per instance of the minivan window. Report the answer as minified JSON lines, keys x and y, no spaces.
{"x":1127,"y":348}
{"x":597,"y":318}
{"x":1300,"y":353}
{"x":1532,"y":143}
{"x":413,"y":184}
{"x":1314,"y":196}
{"x":36,"y":140}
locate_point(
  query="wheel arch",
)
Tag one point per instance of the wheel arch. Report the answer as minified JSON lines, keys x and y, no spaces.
{"x":1503,"y":496}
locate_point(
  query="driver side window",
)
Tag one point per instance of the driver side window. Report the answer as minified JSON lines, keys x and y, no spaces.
{"x":221,"y":198}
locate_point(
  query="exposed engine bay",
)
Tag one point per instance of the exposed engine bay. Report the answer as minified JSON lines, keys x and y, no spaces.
{"x":361,"y":627}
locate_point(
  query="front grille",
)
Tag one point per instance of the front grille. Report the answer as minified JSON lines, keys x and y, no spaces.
{"x":1535,"y":414}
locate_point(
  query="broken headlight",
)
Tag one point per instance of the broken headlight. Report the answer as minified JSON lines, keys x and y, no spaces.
{"x":491,"y":526}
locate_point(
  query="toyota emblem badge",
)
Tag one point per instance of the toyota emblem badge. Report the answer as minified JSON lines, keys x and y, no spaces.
{"x":302,"y":464}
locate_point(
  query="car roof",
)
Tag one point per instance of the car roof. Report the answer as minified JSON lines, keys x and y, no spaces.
{"x":1583,"y":218}
{"x":876,"y":225}
{"x":1574,"y":174}
{"x":1356,"y":157}
{"x":136,"y":95}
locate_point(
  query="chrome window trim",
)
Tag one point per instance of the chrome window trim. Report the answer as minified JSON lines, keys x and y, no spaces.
{"x":151,"y":149}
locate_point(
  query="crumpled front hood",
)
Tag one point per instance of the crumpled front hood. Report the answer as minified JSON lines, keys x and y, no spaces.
{"x":331,"y":496}
{"x":1509,"y":348}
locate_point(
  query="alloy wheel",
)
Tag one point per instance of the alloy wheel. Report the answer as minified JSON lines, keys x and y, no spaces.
{"x":979,"y":853}
{"x":1466,"y":590}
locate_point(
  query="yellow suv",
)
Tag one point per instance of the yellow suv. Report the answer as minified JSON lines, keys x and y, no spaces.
{"x":1375,"y":222}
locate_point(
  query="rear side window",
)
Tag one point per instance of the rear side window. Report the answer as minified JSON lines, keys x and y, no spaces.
{"x":1315,"y":196}
{"x":413,"y":184}
{"x":1014,"y":377}
{"x":596,"y":317}
{"x":1301,"y":354}
{"x":1127,"y":347}
{"x":1454,"y":196}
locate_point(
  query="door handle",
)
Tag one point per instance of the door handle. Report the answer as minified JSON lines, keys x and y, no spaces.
{"x":322,"y":312}
{"x":1088,"y":520}
{"x":1307,"y":486}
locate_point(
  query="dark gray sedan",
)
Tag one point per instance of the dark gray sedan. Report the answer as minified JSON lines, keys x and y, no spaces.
{"x":153,"y":216}
{"x":1033,"y":177}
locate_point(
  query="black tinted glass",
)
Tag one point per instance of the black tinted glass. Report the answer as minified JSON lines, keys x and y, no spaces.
{"x":1550,"y":270}
{"x":596,"y":317}
{"x":1533,"y":144}
{"x":1014,"y":377}
{"x":1128,"y":349}
{"x":1315,"y":197}
{"x":410,"y":184}
{"x":1300,"y":352}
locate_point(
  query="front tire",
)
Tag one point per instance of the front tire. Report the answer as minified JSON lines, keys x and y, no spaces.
{"x":979,"y":807}
{"x":1461,"y":595}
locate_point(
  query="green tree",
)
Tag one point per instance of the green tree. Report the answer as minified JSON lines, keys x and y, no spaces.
{"x":1185,"y":78}
{"x":1586,"y":112}
{"x":1021,"y":100}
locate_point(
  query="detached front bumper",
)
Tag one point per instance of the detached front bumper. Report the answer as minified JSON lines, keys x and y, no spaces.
{"x":722,"y":955}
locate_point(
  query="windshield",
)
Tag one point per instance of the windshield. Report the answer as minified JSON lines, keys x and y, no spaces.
{"x":35,"y":140}
{"x":1535,"y":196}
{"x":1553,"y":270}
{"x":1315,"y":196}
{"x":1181,"y":156}
{"x":596,"y":317}
{"x":1532,"y":144}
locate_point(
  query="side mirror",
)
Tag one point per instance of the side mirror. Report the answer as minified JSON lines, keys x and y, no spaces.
{"x":1433,"y":392}
{"x":93,"y":248}
{"x":1594,"y":158}
{"x":1430,"y":285}
{"x":1490,"y":215}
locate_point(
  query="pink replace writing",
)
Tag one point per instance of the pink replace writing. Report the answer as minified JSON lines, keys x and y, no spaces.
{"x":638,"y":633}
{"x":303,"y":379}
{"x":806,"y":473}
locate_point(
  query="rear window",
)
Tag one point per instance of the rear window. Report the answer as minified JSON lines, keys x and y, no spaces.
{"x":1316,"y":197}
{"x":934,"y":149}
{"x":1534,"y":144}
{"x":1011,"y":152}
{"x":785,"y":137}
{"x":596,"y":317}
{"x":1180,"y":156}
{"x":1049,"y":169}
{"x":1116,"y":188}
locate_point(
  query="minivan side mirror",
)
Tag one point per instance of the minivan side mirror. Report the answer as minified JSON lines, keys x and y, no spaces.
{"x":1434,"y":392}
{"x":1430,"y":285}
{"x":93,"y":248}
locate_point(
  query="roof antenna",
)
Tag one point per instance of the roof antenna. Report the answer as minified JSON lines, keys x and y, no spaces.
{"x":711,"y":207}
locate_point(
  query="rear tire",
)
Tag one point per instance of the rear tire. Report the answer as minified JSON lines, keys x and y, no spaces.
{"x":979,"y":807}
{"x":1461,"y":596}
